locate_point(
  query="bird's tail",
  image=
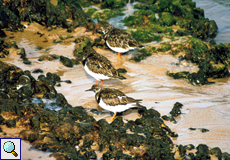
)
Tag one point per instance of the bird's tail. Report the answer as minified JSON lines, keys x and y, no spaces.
{"x":138,"y":103}
{"x":140,"y":46}
{"x":121,"y":77}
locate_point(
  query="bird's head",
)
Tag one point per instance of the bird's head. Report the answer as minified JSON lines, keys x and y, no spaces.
{"x":87,"y":50}
{"x":95,"y":88}
{"x":105,"y":27}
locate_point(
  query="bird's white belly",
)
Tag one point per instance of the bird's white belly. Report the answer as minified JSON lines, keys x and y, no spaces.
{"x":116,"y":108}
{"x":118,"y":49}
{"x":95,"y":75}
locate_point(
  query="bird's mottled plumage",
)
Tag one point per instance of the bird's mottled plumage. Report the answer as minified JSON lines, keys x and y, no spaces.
{"x":113,"y":99}
{"x":118,"y":39}
{"x":98,"y":66}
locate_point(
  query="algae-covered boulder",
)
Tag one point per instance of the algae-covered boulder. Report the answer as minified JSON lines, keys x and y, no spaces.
{"x":145,"y":35}
{"x":90,"y":11}
{"x":9,"y":18}
{"x":167,"y":19}
{"x":212,"y":29}
{"x":113,"y":4}
{"x":44,"y":13}
{"x":212,"y":61}
{"x":174,"y":12}
{"x":106,"y":14}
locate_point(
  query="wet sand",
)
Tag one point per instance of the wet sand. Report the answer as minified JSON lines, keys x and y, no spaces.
{"x":204,"y":106}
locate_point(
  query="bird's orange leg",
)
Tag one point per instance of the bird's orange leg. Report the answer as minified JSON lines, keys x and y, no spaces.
{"x":101,"y":82}
{"x":118,"y":58}
{"x":119,"y":55}
{"x":97,"y":82}
{"x":111,"y":120}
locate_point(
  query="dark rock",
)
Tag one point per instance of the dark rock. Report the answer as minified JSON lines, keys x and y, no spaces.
{"x":46,"y":84}
{"x":22,"y":53}
{"x":10,"y":18}
{"x":11,"y":123}
{"x":176,"y":111}
{"x":140,"y":55}
{"x":53,"y":77}
{"x":122,"y":70}
{"x":49,"y":95}
{"x":2,"y":55}
{"x":151,"y":113}
{"x":169,"y":118}
{"x":117,"y":123}
{"x":68,"y":81}
{"x":199,"y":78}
{"x":113,"y":4}
{"x":191,"y":155}
{"x":66,"y":61}
{"x":2,"y":34}
{"x":90,"y":155}
{"x":2,"y":120}
{"x":212,"y":29}
{"x":121,"y":155}
{"x":35,"y":123}
{"x":61,"y":101}
{"x":216,"y":152}
{"x":87,"y":143}
{"x":6,"y":52}
{"x":58,"y":84}
{"x":182,"y":150}
{"x":76,"y":61}
{"x":190,"y":147}
{"x":203,"y":130}
{"x":25,"y":93}
{"x":108,"y":155}
{"x":202,"y":152}
{"x":37,"y":71}
{"x":80,"y":114}
{"x":39,"y":48}
{"x":26,"y":61}
{"x":226,"y":156}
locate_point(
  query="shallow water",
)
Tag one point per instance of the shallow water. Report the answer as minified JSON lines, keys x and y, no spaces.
{"x":218,"y":10}
{"x":28,"y":153}
{"x":204,"y":106}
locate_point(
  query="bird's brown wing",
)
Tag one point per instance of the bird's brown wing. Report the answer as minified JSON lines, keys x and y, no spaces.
{"x":114,"y":97}
{"x":121,"y":38}
{"x":101,"y":66}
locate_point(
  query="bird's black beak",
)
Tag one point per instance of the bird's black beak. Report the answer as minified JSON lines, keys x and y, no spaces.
{"x":89,"y":89}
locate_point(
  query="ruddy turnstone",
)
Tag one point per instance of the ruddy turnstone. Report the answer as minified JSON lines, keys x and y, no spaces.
{"x":98,"y":66}
{"x":113,"y":100}
{"x":117,"y":39}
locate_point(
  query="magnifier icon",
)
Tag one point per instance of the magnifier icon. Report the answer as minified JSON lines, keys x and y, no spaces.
{"x":9,"y":147}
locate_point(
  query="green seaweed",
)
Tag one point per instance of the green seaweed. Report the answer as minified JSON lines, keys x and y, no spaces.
{"x":82,"y":43}
{"x":157,"y":28}
{"x":106,"y":14}
{"x":167,"y":19}
{"x":140,"y":55}
{"x":139,"y":17}
{"x":164,"y":47}
{"x":145,"y":35}
{"x":113,"y":4}
{"x":90,"y":11}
